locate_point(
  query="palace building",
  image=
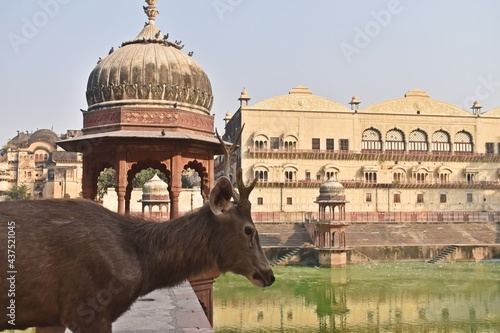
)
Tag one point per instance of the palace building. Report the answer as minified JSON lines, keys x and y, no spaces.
{"x":33,"y":159}
{"x":410,"y":154}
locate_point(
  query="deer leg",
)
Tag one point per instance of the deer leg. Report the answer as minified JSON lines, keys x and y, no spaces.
{"x":54,"y":329}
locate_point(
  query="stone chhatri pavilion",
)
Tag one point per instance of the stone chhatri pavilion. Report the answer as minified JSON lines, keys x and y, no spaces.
{"x":148,"y":106}
{"x":330,"y":230}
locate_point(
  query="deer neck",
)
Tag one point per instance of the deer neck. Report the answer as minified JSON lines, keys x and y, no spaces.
{"x":173,"y":251}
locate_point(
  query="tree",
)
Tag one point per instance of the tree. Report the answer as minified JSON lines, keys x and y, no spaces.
{"x":18,"y":192}
{"x":186,"y":181}
{"x":106,"y":179}
{"x":145,"y":175}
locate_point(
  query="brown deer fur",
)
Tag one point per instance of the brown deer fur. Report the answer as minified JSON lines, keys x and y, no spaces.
{"x":81,"y":266}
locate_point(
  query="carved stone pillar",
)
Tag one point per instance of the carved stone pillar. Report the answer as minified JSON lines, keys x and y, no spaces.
{"x":203,"y":286}
{"x":176,"y":185}
{"x":121,"y":179}
{"x":87,"y":178}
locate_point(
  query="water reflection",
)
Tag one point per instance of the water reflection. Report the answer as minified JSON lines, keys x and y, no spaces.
{"x":406,"y":297}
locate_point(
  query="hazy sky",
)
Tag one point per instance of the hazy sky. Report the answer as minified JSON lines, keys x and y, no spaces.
{"x":377,"y":50}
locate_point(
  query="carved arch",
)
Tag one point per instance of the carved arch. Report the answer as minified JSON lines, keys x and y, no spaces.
{"x":399,"y":174}
{"x":463,"y":142}
{"x":261,"y":171}
{"x":441,"y":141}
{"x":203,"y":174}
{"x":418,"y":141}
{"x":289,"y":140}
{"x":138,"y":167}
{"x":331,"y":171}
{"x":395,"y":140}
{"x":371,"y":139}
{"x":261,"y":140}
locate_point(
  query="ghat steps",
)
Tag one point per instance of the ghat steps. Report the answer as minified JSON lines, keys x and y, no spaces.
{"x":293,"y":235}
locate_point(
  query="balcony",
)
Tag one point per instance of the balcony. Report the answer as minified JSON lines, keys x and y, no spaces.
{"x":371,"y":155}
{"x":405,"y":184}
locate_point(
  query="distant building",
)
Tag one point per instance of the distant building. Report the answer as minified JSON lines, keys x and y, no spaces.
{"x":410,"y":154}
{"x":35,"y":160}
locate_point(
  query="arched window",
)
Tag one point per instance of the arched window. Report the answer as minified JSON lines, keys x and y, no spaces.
{"x":260,"y":140}
{"x":331,"y":175}
{"x":290,"y":140}
{"x":420,"y":174}
{"x":372,"y":140}
{"x":261,"y":171}
{"x":260,"y":144}
{"x":444,"y":174}
{"x":331,"y":172}
{"x":441,"y":141}
{"x":463,"y":142}
{"x":395,"y":140}
{"x":370,"y":173}
{"x":290,"y":175}
{"x":399,"y":175}
{"x":418,"y":141}
{"x":290,"y":145}
{"x":262,"y":175}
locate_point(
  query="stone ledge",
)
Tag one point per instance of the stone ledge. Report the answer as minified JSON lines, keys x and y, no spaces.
{"x":165,"y":310}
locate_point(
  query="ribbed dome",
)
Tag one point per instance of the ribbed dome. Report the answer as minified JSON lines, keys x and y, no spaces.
{"x":152,"y":71}
{"x":331,"y":187}
{"x":43,"y":135}
{"x":155,"y":189}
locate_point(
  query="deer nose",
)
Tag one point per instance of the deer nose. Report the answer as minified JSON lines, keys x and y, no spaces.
{"x":271,"y":280}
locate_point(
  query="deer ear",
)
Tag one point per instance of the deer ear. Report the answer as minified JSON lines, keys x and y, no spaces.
{"x":220,"y":196}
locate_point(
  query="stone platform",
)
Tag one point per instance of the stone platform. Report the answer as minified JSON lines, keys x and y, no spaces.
{"x":170,"y":310}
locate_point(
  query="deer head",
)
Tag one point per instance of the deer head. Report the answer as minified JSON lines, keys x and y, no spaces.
{"x":241,"y":253}
{"x":235,"y":215}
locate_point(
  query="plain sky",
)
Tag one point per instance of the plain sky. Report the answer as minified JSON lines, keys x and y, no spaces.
{"x":377,"y":50}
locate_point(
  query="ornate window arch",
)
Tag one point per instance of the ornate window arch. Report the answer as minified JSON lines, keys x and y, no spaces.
{"x":331,"y":172}
{"x":290,"y":140}
{"x":260,"y":140}
{"x":370,"y":173}
{"x":463,"y":142}
{"x":290,"y":172}
{"x":399,"y":174}
{"x":395,"y":140}
{"x":444,"y":174}
{"x":441,"y":141}
{"x":420,"y":174}
{"x":418,"y":141}
{"x":41,"y":155}
{"x":371,"y":139}
{"x":261,"y":171}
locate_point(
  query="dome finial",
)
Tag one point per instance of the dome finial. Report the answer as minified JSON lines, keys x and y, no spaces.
{"x":151,"y":11}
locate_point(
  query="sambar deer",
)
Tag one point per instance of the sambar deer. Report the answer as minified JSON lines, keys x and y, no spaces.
{"x":81,"y":266}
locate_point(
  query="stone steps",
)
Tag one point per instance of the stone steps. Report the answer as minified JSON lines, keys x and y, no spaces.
{"x":283,"y":234}
{"x":422,"y":233}
{"x":384,"y":234}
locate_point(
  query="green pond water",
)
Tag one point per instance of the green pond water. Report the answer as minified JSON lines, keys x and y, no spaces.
{"x":403,"y":297}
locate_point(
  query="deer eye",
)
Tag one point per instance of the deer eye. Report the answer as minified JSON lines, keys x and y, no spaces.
{"x":249,"y":231}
